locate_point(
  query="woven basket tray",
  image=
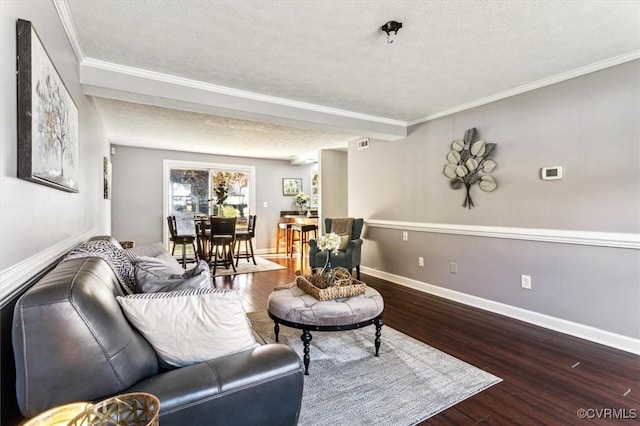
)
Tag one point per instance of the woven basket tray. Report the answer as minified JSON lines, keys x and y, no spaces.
{"x":129,"y":409}
{"x":356,"y":288}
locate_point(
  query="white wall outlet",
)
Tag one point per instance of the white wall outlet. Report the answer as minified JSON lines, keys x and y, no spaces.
{"x":420,"y":261}
{"x":264,"y":204}
{"x":453,"y":267}
{"x":405,"y":236}
{"x":525,"y":281}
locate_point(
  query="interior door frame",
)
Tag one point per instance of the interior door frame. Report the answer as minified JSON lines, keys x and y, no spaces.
{"x":167,"y":165}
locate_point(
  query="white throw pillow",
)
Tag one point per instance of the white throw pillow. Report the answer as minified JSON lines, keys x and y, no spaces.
{"x":190,"y":326}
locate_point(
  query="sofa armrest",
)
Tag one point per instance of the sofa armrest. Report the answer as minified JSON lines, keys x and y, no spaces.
{"x":262,"y":386}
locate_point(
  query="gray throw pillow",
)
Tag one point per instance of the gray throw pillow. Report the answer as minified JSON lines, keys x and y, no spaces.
{"x":147,"y":250}
{"x":154,"y":274}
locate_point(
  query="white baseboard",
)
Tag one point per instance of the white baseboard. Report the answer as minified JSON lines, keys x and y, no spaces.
{"x":592,"y":334}
{"x":14,"y":277}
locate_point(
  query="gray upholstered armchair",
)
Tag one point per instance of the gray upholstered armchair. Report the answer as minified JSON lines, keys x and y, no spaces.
{"x":348,"y":258}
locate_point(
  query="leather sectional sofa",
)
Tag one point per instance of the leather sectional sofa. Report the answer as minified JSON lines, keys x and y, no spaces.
{"x":72,"y":342}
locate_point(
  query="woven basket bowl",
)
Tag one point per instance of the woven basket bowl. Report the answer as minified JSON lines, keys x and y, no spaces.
{"x":134,"y":409}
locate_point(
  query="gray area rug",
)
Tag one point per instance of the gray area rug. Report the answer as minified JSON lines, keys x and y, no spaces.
{"x":347,"y":385}
{"x":245,"y":267}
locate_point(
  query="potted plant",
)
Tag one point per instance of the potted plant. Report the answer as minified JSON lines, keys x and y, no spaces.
{"x":301,"y":199}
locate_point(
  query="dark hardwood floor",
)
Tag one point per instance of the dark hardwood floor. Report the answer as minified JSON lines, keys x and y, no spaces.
{"x":548,"y":378}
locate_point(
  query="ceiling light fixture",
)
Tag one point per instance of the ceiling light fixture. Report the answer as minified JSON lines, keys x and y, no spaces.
{"x":391,"y":27}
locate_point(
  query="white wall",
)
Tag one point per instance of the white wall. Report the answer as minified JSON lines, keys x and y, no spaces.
{"x":590,"y":126}
{"x":38,"y":222}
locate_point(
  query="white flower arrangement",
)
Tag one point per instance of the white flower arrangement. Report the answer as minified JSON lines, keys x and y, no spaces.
{"x":301,"y":199}
{"x":329,"y":242}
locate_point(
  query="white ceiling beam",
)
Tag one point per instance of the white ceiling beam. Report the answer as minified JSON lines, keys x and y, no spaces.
{"x":126,"y":83}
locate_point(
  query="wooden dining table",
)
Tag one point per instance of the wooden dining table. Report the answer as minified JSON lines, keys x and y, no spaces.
{"x":205,"y":221}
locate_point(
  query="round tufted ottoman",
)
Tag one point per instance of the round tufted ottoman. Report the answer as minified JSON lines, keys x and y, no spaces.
{"x":293,"y":307}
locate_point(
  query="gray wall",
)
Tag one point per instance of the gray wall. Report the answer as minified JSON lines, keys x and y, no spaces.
{"x":33,"y":217}
{"x":137,"y":212}
{"x":590,"y":126}
{"x":334,"y":184}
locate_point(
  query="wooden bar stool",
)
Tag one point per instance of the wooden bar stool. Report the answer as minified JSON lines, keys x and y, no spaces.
{"x":303,"y":230}
{"x":246,"y":236}
{"x":183,"y":241}
{"x":283,"y":232}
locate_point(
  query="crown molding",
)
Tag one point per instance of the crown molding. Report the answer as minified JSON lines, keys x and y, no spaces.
{"x":242,"y":94}
{"x":398,"y":127}
{"x":67,"y":23}
{"x":558,"y":78}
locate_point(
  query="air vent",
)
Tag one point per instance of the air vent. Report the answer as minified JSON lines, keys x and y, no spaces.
{"x":363,"y":144}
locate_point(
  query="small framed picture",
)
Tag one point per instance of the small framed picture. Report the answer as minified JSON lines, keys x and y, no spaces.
{"x":291,"y":186}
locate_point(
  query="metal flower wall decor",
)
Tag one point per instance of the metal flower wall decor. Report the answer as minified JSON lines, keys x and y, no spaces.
{"x":469,"y":161}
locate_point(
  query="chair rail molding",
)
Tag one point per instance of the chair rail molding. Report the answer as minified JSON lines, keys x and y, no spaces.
{"x":14,"y":277}
{"x":590,"y":238}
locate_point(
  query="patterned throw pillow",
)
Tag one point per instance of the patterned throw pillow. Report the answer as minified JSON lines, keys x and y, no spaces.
{"x":190,"y":326}
{"x":114,"y":256}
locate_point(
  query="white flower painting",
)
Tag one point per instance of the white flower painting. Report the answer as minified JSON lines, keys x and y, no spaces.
{"x":51,"y":145}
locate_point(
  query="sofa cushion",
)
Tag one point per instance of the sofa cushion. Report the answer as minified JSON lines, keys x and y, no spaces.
{"x":189,"y":326}
{"x":154,"y":274}
{"x":149,"y":250}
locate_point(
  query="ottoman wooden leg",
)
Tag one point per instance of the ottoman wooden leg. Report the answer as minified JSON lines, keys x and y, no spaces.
{"x":306,"y":340}
{"x":378,"y":322}
{"x":276,"y":329}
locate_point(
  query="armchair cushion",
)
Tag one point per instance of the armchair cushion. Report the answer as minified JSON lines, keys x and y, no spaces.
{"x":344,"y":242}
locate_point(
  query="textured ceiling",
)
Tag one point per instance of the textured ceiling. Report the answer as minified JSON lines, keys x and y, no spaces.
{"x":332,"y":54}
{"x":163,"y":128}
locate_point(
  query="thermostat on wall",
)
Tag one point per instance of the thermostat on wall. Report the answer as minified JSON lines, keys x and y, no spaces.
{"x":551,"y":173}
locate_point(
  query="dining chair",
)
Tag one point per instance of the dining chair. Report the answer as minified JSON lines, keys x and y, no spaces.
{"x":182,"y":240}
{"x":221,"y":242}
{"x":246,"y":236}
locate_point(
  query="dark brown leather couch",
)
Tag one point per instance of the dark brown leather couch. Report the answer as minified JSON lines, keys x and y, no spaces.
{"x":72,"y":342}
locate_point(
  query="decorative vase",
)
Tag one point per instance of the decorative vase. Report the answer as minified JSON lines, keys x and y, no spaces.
{"x":327,"y":269}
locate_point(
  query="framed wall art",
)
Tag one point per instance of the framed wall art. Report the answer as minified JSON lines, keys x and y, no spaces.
{"x":106,"y":178}
{"x":315,"y":188}
{"x":47,"y":117}
{"x":291,"y":186}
